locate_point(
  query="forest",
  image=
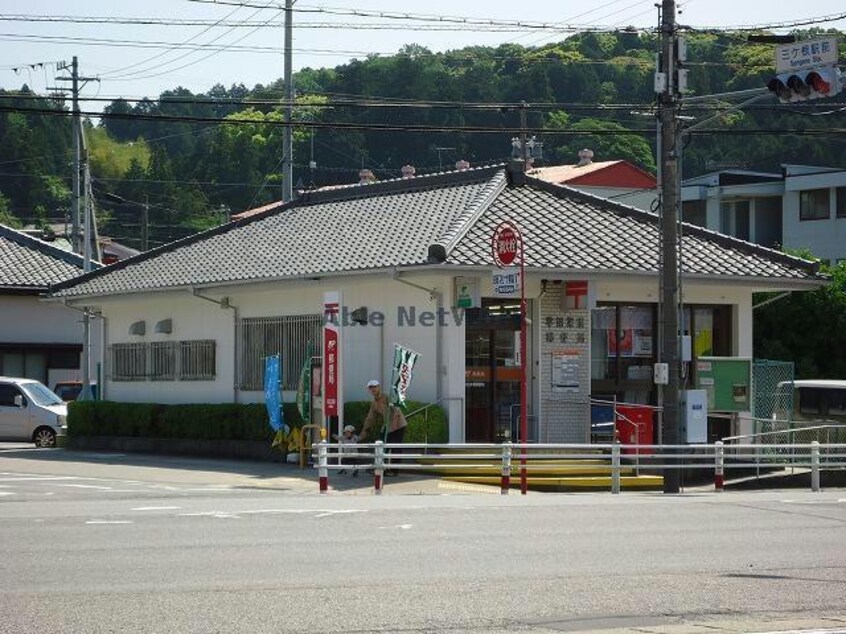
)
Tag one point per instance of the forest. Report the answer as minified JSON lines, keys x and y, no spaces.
{"x":193,"y":159}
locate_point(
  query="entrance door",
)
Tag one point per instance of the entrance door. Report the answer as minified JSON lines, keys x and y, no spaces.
{"x":492,"y":371}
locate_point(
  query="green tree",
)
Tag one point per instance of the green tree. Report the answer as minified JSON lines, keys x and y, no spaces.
{"x":6,"y":216}
{"x":808,"y":328}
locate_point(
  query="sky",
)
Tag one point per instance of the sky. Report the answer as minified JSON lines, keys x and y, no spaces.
{"x":143,"y":59}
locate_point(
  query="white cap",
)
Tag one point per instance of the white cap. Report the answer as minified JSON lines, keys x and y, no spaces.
{"x":373,"y":383}
{"x":349,"y":428}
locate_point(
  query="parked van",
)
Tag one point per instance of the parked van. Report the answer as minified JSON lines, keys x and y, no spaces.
{"x":30,"y":412}
{"x":812,"y":400}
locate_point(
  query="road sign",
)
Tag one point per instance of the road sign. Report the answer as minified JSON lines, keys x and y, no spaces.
{"x":504,"y":245}
{"x":506,"y":281}
{"x":807,"y":54}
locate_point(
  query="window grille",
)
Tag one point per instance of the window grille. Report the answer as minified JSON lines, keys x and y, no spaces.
{"x":162,"y":360}
{"x":128,"y":361}
{"x":197,"y":360}
{"x":261,"y":337}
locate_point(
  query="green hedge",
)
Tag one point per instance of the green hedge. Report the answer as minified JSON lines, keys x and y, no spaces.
{"x":225,"y":421}
{"x":430,"y":426}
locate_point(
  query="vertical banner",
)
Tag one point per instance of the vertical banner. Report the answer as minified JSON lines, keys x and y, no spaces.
{"x":404,"y":360}
{"x":272,"y":382}
{"x":304,"y":387}
{"x":332,"y":394}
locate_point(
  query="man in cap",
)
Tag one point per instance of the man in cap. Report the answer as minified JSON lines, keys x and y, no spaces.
{"x":376,"y":418}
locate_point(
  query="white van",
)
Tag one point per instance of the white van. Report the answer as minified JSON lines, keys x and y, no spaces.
{"x":30,"y":412}
{"x":812,"y":401}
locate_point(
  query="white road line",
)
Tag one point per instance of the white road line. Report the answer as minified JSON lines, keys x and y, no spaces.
{"x":7,"y":493}
{"x":38,"y":478}
{"x":156,"y":508}
{"x":108,"y":522}
{"x":87,"y":486}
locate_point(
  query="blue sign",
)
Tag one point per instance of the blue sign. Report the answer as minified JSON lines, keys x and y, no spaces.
{"x":272,"y":381}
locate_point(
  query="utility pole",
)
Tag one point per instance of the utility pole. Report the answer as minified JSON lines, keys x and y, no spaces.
{"x":81,"y":211}
{"x":669,"y":184}
{"x":77,"y":208}
{"x":145,"y":224}
{"x":288,"y":133}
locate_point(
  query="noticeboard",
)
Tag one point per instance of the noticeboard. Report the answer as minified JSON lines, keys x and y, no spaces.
{"x":727,"y":381}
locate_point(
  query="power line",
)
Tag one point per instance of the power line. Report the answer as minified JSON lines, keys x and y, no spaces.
{"x":405,"y":127}
{"x":411,"y":17}
{"x":832,"y":17}
{"x":223,"y":22}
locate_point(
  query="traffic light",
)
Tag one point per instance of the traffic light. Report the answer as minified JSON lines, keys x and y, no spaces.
{"x":812,"y":83}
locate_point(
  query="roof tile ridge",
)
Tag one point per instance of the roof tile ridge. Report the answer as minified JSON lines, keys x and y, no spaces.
{"x":398,"y":185}
{"x":25,"y":239}
{"x":439,"y":251}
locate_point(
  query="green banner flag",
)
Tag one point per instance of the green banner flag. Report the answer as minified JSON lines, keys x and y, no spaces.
{"x":404,"y":360}
{"x":304,"y":387}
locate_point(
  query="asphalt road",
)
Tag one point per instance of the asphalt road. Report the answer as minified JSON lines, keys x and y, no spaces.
{"x":111,"y":543}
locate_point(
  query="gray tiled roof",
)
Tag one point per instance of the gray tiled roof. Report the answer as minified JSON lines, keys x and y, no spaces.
{"x":407,"y":221}
{"x":570,"y":230}
{"x":375,"y":226}
{"x":29,"y":265}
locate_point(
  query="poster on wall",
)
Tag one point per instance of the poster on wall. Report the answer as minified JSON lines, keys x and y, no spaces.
{"x":632,"y":342}
{"x":565,"y":371}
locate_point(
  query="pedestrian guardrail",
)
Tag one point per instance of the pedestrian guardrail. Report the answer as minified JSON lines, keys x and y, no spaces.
{"x":522,"y":458}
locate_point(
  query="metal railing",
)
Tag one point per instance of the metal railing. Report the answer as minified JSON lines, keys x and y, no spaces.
{"x":380,"y":457}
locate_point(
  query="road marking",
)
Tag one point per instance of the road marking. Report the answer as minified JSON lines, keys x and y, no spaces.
{"x":318,"y":513}
{"x":156,"y":508}
{"x":402,"y":527}
{"x":108,"y":522}
{"x":87,"y":486}
{"x":7,"y":493}
{"x":38,"y":478}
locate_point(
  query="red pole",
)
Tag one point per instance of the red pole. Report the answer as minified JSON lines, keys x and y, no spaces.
{"x":524,"y":425}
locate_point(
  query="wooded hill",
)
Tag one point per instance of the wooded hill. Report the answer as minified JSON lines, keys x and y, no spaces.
{"x":195,"y":157}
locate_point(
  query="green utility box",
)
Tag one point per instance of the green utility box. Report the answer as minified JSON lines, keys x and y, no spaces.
{"x":727,"y":382}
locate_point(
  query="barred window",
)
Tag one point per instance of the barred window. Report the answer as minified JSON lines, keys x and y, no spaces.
{"x":162,"y":360}
{"x":261,"y":337}
{"x":197,"y":360}
{"x":128,"y":361}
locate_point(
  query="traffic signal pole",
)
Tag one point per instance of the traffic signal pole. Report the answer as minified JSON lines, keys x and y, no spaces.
{"x":669,"y":268}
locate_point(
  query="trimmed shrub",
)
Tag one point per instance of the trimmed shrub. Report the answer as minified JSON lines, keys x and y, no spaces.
{"x":221,"y":421}
{"x":427,"y":426}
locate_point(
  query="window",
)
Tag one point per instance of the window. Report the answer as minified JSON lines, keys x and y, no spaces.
{"x":128,"y":361}
{"x":162,"y":355}
{"x":164,"y":361}
{"x":261,"y":337}
{"x":197,"y":360}
{"x":841,"y":202}
{"x":623,"y":351}
{"x":814,"y":204}
{"x":7,"y":395}
{"x":809,"y":400}
{"x":694,"y":212}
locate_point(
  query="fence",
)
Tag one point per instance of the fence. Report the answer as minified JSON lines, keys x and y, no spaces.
{"x":464,"y":458}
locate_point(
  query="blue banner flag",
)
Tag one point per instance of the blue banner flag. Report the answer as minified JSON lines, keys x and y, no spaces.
{"x":272,"y":382}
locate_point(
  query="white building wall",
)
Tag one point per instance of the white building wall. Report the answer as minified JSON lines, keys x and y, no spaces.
{"x":639,"y":198}
{"x":28,"y":319}
{"x":410,"y":318}
{"x":192,"y":318}
{"x":826,"y":239}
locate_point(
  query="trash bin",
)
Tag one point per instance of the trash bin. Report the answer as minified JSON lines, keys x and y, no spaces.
{"x":635,"y":427}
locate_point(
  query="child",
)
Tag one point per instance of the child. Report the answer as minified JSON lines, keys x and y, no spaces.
{"x":348,"y":438}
